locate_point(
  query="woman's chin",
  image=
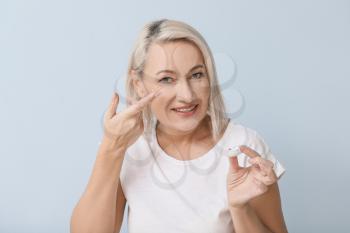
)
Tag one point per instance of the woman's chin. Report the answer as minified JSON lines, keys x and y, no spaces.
{"x":185,"y":125}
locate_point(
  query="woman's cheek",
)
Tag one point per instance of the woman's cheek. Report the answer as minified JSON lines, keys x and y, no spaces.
{"x":158,"y":105}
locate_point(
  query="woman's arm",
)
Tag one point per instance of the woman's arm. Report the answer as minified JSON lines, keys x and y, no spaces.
{"x":262,"y":214}
{"x":96,"y":209}
{"x":120,"y":207}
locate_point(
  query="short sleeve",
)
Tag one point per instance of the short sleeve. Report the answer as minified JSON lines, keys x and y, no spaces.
{"x":258,"y":144}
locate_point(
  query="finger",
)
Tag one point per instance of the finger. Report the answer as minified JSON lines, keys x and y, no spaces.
{"x":267,"y":176}
{"x":249,"y":151}
{"x":112,"y":108}
{"x":130,"y":101}
{"x":142,"y":103}
{"x":266,"y":166}
{"x":234,"y":164}
{"x":261,"y":186}
{"x":266,"y":180}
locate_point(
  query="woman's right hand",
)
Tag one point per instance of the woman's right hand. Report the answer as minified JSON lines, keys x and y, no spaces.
{"x":125,"y":127}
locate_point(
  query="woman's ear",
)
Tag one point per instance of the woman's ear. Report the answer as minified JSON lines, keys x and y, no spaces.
{"x":138,"y":85}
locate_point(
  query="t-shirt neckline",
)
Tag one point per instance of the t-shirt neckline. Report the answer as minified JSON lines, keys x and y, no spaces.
{"x":201,"y":158}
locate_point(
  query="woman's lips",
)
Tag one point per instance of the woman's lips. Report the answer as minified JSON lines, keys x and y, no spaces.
{"x":186,"y":113}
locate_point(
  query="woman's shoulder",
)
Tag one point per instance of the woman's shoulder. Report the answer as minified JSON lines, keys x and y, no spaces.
{"x":246,"y":135}
{"x":240,"y":129}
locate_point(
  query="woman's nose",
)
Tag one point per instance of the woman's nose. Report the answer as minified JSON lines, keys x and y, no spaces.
{"x":184,"y":92}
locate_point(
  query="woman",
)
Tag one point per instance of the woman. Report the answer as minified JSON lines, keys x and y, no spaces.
{"x":164,"y":153}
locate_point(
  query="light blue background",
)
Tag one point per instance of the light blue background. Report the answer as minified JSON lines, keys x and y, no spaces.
{"x":59,"y":62}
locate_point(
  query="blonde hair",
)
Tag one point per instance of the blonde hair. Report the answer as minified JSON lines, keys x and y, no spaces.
{"x":166,"y":30}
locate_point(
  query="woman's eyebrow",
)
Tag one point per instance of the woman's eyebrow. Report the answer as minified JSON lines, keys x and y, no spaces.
{"x":173,"y":72}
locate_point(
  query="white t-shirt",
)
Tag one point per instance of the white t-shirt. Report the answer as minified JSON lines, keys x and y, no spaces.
{"x":165,"y":194}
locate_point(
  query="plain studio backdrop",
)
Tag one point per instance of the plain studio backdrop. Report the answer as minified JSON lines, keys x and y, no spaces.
{"x":60,"y":61}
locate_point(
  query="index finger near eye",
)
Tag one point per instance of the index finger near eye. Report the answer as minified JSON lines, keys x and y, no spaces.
{"x":139,"y":105}
{"x":249,"y":151}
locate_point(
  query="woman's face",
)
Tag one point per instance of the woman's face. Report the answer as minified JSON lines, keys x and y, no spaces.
{"x":178,"y":68}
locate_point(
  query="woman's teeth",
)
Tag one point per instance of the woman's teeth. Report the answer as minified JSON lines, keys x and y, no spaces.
{"x":185,"y":109}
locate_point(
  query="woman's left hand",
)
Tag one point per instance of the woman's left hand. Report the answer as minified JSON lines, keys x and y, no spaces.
{"x":246,"y":183}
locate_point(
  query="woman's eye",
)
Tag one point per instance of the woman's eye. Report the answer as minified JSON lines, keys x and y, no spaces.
{"x":166,"y":80}
{"x":197,"y":75}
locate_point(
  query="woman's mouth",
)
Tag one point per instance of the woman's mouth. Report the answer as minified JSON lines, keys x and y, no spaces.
{"x":186,"y":111}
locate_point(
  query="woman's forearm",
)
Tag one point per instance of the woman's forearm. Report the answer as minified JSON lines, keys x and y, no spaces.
{"x":246,"y":221}
{"x":95,"y":211}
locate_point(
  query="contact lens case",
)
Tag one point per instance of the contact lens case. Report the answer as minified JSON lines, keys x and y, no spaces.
{"x":232,"y":151}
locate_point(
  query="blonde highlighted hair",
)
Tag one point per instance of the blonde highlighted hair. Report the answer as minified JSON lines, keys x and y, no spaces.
{"x":166,"y":30}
